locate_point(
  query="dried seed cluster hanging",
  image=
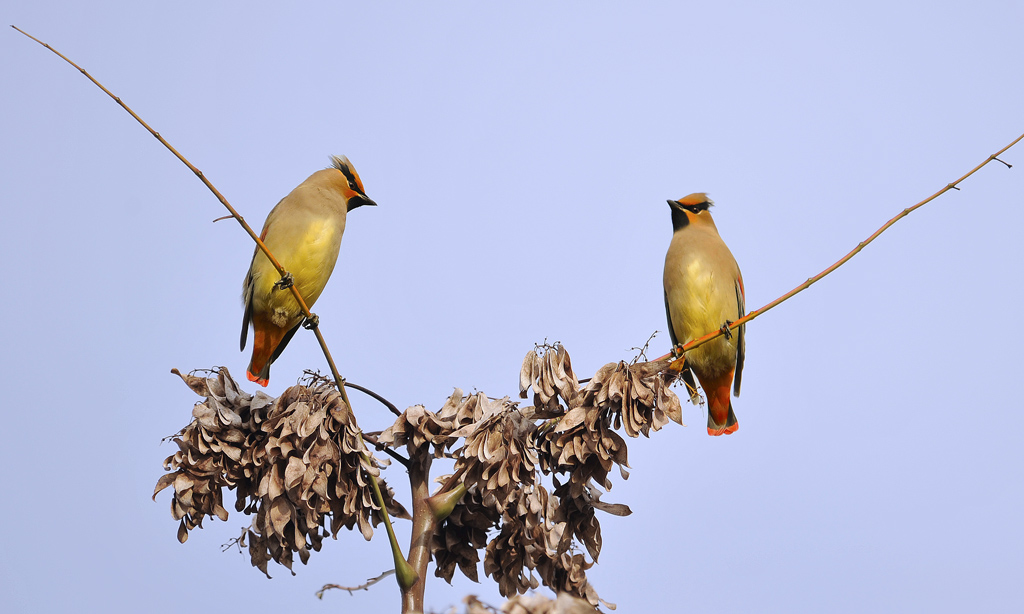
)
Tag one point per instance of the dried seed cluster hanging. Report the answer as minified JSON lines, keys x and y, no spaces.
{"x":418,"y":427}
{"x":498,"y":457}
{"x":503,"y":451}
{"x":583,"y":442}
{"x":293,"y":462}
{"x":461,"y":536}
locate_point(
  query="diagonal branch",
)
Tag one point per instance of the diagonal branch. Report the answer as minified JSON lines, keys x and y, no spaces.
{"x":807,"y":284}
{"x":383,"y":448}
{"x":224,"y":201}
{"x":367,"y":391}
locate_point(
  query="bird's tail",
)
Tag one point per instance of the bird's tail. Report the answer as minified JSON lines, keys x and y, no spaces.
{"x":262,"y":378}
{"x":721,"y":419}
{"x":725,"y":424}
{"x":266,"y":339}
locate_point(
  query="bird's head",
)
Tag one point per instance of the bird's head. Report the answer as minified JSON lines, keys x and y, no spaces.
{"x":349,"y":184}
{"x":692,"y":209}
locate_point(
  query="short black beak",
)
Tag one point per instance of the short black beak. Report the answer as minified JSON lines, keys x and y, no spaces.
{"x":360,"y":200}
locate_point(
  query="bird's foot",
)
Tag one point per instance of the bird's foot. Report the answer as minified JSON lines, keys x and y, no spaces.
{"x":311,"y":322}
{"x":677,"y":350}
{"x":286,"y":281}
{"x":725,"y":330}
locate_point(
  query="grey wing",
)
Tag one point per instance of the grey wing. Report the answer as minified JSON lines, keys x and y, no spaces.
{"x":668,"y":317}
{"x":248,"y":286}
{"x":741,"y":342}
{"x":247,"y":301}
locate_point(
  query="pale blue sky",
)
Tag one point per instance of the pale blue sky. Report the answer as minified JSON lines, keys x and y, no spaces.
{"x":521,"y":156}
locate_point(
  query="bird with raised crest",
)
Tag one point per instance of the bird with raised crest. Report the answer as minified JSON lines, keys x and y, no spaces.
{"x":303,"y":231}
{"x":704,"y":293}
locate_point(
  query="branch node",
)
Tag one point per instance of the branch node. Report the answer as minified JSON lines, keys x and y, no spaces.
{"x":286,"y":281}
{"x":952,"y":187}
{"x":1008,"y":165}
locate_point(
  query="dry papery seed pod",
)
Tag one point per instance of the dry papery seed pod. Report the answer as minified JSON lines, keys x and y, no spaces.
{"x":582,"y":445}
{"x":583,"y":442}
{"x":295,"y":463}
{"x":417,"y":426}
{"x":498,"y":458}
{"x":461,"y":535}
{"x":499,"y":464}
{"x":547,"y":369}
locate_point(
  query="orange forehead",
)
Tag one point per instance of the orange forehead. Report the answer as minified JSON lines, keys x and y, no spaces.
{"x":695,"y":199}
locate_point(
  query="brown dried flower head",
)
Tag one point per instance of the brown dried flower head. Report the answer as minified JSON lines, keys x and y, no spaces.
{"x":461,"y":536}
{"x":294,"y":462}
{"x":498,"y":457}
{"x":548,"y":371}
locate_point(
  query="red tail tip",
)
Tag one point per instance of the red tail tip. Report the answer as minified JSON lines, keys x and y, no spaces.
{"x":256,"y":378}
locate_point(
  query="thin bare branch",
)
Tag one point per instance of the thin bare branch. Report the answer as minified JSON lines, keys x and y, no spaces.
{"x":642,"y":351}
{"x":807,"y":284}
{"x":238,"y":542}
{"x":386,"y":450}
{"x":373,"y":394}
{"x":224,"y":201}
{"x":351,"y":589}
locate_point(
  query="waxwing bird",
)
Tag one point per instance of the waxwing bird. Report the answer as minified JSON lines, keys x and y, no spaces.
{"x":703,"y":292}
{"x":304,"y":233}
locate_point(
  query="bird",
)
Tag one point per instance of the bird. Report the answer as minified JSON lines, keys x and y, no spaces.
{"x":303,"y":231}
{"x":704,"y":293}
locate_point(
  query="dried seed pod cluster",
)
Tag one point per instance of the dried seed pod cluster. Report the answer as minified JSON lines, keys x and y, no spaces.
{"x":415,"y":428}
{"x":418,"y":426}
{"x":548,"y":371}
{"x":498,"y":465}
{"x":504,"y":450}
{"x":498,"y":458}
{"x":583,"y":442}
{"x":296,"y":460}
{"x":214,"y":450}
{"x":461,"y":536}
{"x":636,"y":396}
{"x":535,"y":535}
{"x":293,"y":461}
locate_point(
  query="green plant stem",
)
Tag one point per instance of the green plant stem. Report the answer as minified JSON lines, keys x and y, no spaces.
{"x":424,"y":525}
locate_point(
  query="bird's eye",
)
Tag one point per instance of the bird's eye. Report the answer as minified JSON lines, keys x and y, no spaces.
{"x":353,"y":186}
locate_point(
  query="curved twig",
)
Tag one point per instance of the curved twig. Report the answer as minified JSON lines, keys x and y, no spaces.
{"x":386,"y":450}
{"x":807,"y":284}
{"x":224,"y":201}
{"x":351,"y":589}
{"x":373,"y":394}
